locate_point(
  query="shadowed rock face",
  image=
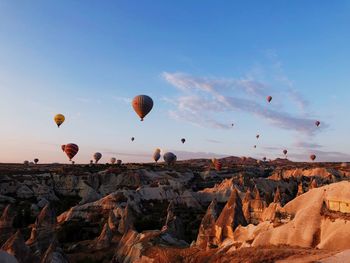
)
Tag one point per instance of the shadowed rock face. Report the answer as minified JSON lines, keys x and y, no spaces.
{"x":54,"y":254}
{"x":16,"y":246}
{"x":207,"y":230}
{"x":6,"y":223}
{"x":230,"y":217}
{"x":144,"y":212}
{"x":43,"y":231}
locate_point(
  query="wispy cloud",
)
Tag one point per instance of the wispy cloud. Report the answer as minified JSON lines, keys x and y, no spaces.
{"x":304,"y":144}
{"x":201,"y":99}
{"x":213,"y":141}
{"x":122,"y":99}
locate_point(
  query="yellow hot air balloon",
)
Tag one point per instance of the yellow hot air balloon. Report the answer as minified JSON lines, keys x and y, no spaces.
{"x":59,"y":119}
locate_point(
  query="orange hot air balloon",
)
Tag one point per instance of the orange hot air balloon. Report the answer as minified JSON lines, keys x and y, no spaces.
{"x":317,"y":123}
{"x":312,"y":157}
{"x":217,"y":164}
{"x":142,"y":105}
{"x":183,"y":140}
{"x":63,"y":146}
{"x":59,"y":119}
{"x":71,"y":150}
{"x":269,"y":98}
{"x":285,"y":152}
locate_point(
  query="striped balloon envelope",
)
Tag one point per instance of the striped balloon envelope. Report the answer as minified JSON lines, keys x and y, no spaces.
{"x":71,"y":150}
{"x":142,"y":105}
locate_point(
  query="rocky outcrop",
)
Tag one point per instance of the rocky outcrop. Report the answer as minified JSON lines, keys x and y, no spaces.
{"x":6,"y":223}
{"x":126,"y":222}
{"x":105,"y":238}
{"x":300,"y":189}
{"x":43,"y":231}
{"x":16,"y":246}
{"x":231,"y":216}
{"x":207,"y":230}
{"x":313,"y":184}
{"x":173,"y":224}
{"x":277,"y":196}
{"x":54,"y":254}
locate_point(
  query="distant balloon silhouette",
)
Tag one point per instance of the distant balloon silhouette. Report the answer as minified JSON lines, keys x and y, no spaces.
{"x":59,"y":119}
{"x":97,"y":156}
{"x":217,"y":164}
{"x":142,"y":105}
{"x":36,"y":160}
{"x":169,"y":158}
{"x":113,"y":160}
{"x":254,"y":146}
{"x":183,"y":140}
{"x":317,"y":123}
{"x":91,"y":162}
{"x":119,"y":162}
{"x":73,"y":162}
{"x":132,"y":139}
{"x":26,"y":163}
{"x":312,"y":157}
{"x":63,"y":146}
{"x":232,"y":124}
{"x":257,"y":136}
{"x":264,"y":159}
{"x":71,"y":150}
{"x":285,"y":152}
{"x":269,"y":98}
{"x":156,"y":155}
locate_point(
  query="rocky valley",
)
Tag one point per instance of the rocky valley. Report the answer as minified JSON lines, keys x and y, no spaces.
{"x":249,"y":211}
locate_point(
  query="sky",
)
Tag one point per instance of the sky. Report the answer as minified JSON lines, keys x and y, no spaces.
{"x":206,"y":64}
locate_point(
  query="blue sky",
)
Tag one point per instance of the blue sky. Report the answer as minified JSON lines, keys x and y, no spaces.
{"x":206,"y":64}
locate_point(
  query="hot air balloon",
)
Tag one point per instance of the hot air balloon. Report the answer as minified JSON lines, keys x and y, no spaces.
{"x":269,"y":98}
{"x":264,"y":159}
{"x":73,"y":162}
{"x":156,"y":155}
{"x":317,"y":123}
{"x":183,"y":140}
{"x":59,"y":119}
{"x":97,"y":157}
{"x":285,"y":152}
{"x":232,"y":124}
{"x":312,"y":157}
{"x":26,"y":163}
{"x":169,"y":158}
{"x":113,"y":160}
{"x":36,"y":160}
{"x":63,"y":146}
{"x":119,"y":162}
{"x":71,"y":150}
{"x":254,"y":146}
{"x":217,"y":164}
{"x":142,"y":105}
{"x":132,"y":139}
{"x":257,"y":136}
{"x":91,"y":162}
